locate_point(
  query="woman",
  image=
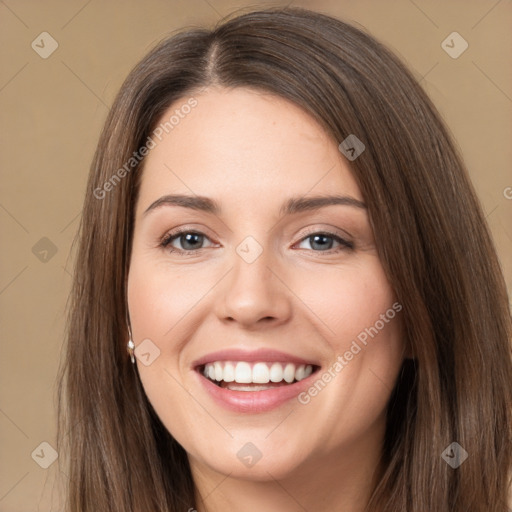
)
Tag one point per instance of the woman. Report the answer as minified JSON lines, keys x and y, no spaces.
{"x":286,"y":296}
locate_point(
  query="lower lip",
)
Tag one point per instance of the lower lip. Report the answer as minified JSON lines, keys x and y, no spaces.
{"x":254,"y":401}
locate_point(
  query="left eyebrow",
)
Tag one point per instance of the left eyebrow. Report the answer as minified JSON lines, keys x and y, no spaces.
{"x":301,"y":204}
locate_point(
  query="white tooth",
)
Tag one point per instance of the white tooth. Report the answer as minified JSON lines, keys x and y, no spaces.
{"x":229,"y":372}
{"x":289,"y":372}
{"x":243,"y":373}
{"x":218,"y":370}
{"x":276,"y":372}
{"x":260,"y":373}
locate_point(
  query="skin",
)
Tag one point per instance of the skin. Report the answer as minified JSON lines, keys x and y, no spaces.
{"x":250,"y":152}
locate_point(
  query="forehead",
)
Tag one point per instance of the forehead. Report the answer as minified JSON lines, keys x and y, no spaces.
{"x":245,"y":146}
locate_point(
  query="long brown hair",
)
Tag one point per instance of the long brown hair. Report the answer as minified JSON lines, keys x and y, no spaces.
{"x":432,"y":240}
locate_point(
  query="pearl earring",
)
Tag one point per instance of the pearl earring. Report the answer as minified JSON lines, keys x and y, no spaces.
{"x":131,"y":348}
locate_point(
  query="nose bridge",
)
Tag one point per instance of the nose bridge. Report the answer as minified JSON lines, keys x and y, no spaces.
{"x":252,"y":292}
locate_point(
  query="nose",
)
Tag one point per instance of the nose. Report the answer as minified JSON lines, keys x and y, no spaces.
{"x":254,"y":294}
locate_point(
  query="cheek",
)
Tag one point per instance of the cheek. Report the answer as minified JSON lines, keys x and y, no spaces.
{"x":159,"y":298}
{"x":360,"y":322}
{"x":348,"y":299}
{"x":158,"y":301}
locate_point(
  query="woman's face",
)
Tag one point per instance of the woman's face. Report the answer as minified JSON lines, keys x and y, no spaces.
{"x":280,"y":298}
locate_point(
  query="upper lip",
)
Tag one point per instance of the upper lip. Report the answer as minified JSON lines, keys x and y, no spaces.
{"x":263,"y":355}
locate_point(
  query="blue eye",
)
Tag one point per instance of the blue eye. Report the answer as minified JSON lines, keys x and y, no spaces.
{"x":324,"y":241}
{"x":191,"y":241}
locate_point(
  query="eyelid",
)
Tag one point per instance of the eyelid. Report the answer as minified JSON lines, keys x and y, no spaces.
{"x":331,"y":230}
{"x":186,"y":228}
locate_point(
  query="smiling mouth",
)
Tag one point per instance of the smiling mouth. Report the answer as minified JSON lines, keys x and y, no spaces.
{"x":256,"y":376}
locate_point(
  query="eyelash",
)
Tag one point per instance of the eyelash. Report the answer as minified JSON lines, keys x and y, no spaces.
{"x":168,"y":238}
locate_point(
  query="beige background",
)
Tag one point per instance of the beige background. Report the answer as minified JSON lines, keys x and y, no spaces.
{"x":52,"y":112}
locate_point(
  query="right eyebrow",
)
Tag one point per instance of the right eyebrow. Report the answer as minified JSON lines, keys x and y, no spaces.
{"x":194,"y":202}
